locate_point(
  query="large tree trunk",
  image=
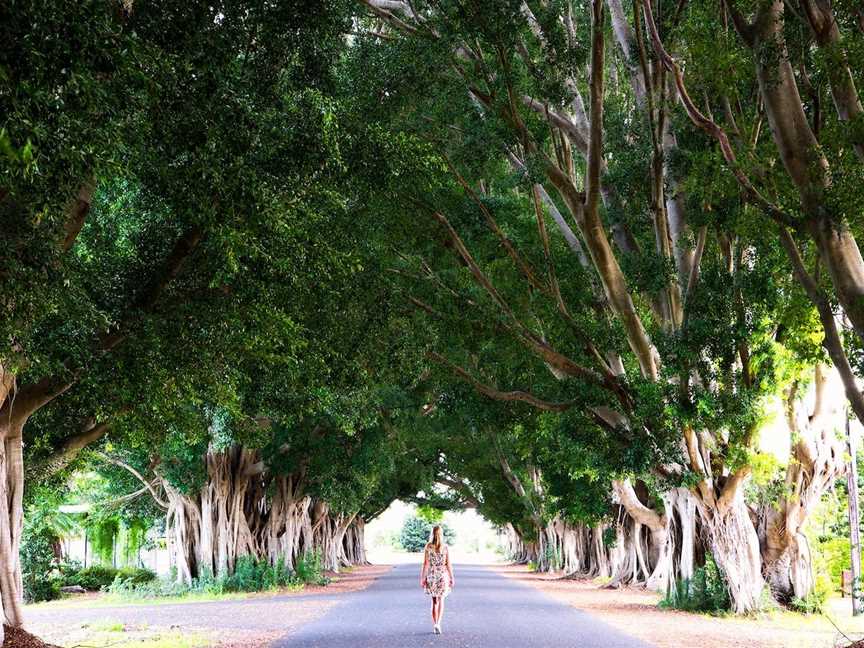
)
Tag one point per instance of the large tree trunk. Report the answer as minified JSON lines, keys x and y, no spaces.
{"x":598,"y":553}
{"x":520,"y":550}
{"x":677,"y":555}
{"x":627,"y":556}
{"x":654,"y":550}
{"x":816,"y":462}
{"x":12,"y":422}
{"x":211,"y":528}
{"x":229,"y":475}
{"x":17,"y":405}
{"x":545,"y":556}
{"x":7,"y":386}
{"x":328,"y":535}
{"x":237,"y":513}
{"x":355,"y":542}
{"x":516,"y":550}
{"x":288,"y":522}
{"x":734,"y":544}
{"x":183,"y":522}
{"x":826,"y":31}
{"x":789,"y":573}
{"x":573,"y":547}
{"x":11,"y":523}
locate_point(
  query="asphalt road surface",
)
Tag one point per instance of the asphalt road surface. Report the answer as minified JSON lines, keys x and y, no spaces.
{"x":485,"y":610}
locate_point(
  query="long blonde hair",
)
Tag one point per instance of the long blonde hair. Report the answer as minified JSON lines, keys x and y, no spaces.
{"x":436,"y":539}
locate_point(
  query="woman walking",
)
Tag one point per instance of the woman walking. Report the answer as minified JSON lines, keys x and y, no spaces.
{"x":436,"y":577}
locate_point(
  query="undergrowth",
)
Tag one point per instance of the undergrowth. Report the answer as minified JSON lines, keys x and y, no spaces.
{"x":249,"y":575}
{"x":705,"y":592}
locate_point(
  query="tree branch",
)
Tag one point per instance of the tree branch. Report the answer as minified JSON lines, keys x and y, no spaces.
{"x":832,"y":342}
{"x":462,"y":489}
{"x":30,"y":398}
{"x":521,"y":264}
{"x":121,"y":464}
{"x":567,"y":125}
{"x":495,"y":394}
{"x":530,"y":339}
{"x":637,"y":510}
{"x":70,"y":447}
{"x":595,"y":142}
{"x":713,"y":129}
{"x":182,"y":250}
{"x":77,"y":214}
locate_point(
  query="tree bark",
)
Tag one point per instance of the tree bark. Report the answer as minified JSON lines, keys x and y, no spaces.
{"x":816,"y":462}
{"x":241,"y":511}
{"x":734,"y":544}
{"x":355,"y":542}
{"x":11,"y":523}
{"x":805,"y":164}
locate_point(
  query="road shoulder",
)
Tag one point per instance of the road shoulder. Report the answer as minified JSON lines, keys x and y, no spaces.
{"x":251,"y":622}
{"x":635,"y":612}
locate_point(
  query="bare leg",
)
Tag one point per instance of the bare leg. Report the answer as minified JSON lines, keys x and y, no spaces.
{"x":434,"y":609}
{"x":440,"y":609}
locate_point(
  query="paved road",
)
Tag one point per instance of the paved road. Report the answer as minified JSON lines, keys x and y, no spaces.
{"x":486,"y":610}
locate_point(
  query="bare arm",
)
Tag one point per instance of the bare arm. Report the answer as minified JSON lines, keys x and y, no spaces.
{"x":424,"y":568}
{"x":450,"y":568}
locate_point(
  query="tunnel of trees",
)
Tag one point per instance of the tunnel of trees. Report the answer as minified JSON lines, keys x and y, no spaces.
{"x":269,"y":266}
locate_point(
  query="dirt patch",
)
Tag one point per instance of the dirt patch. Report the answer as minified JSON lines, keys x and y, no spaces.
{"x":248,"y":640}
{"x":635,"y":612}
{"x":18,"y":638}
{"x":357,"y":579}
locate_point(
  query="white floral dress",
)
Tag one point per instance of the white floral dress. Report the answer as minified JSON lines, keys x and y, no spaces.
{"x":437,"y":576}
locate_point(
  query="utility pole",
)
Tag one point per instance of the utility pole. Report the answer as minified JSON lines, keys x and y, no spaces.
{"x":854,"y":521}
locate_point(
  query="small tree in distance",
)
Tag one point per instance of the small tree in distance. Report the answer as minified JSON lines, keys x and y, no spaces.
{"x":416,"y":530}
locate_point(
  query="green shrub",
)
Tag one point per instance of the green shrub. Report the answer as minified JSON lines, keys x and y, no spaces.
{"x":40,"y":589}
{"x":97,"y":577}
{"x":814,"y":602}
{"x":553,"y":558}
{"x":135,"y":575}
{"x":40,"y":546}
{"x":415,"y":534}
{"x":831,"y":556}
{"x":159,"y":588}
{"x":705,"y":592}
{"x":250,"y":575}
{"x":39,"y":571}
{"x":68,"y":570}
{"x":94,"y":578}
{"x":310,"y":569}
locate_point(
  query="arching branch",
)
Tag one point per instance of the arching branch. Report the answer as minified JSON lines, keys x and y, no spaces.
{"x":122,"y":464}
{"x":496,"y":394}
